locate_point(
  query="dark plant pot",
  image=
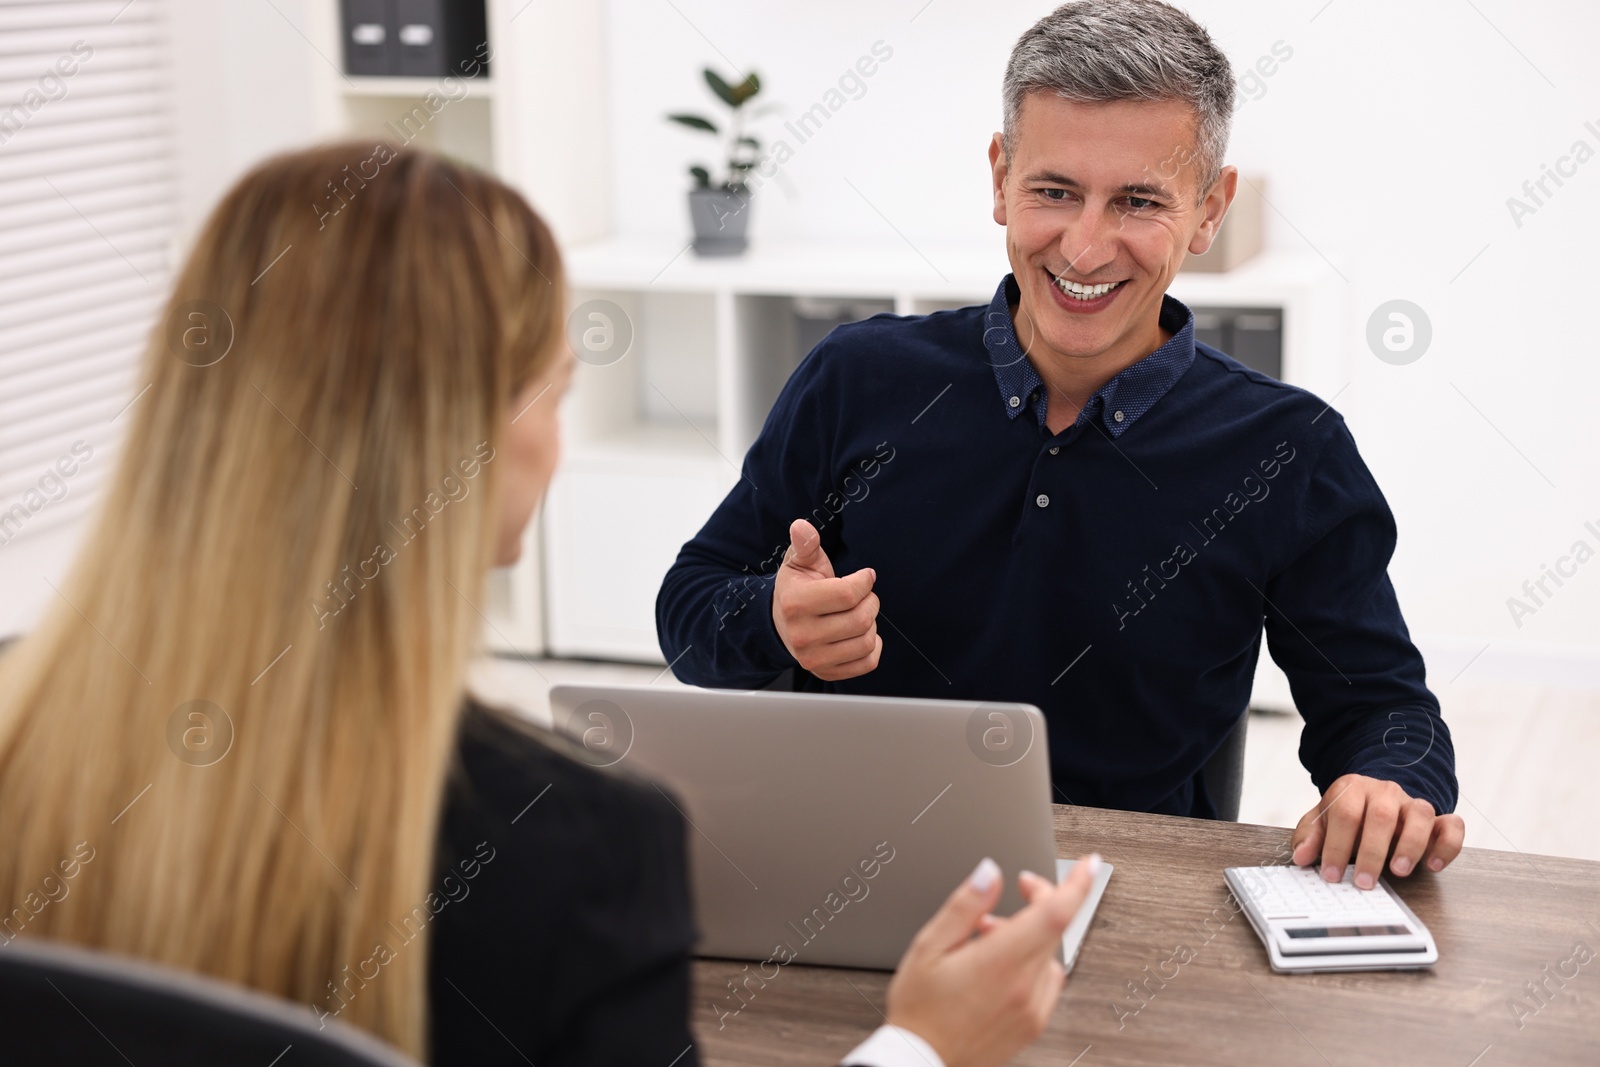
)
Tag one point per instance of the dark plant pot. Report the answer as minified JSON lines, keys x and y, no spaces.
{"x":721,"y":218}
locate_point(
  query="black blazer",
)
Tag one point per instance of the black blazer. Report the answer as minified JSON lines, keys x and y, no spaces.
{"x":563,"y":925}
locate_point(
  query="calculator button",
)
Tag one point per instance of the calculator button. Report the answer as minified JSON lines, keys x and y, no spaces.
{"x":1283,"y":893}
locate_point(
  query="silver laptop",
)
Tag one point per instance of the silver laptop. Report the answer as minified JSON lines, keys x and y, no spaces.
{"x":827,"y":829}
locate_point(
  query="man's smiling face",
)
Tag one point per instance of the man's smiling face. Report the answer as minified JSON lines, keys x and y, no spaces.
{"x":1097,"y":195}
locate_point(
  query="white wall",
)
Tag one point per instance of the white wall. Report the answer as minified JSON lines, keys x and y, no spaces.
{"x":245,"y":86}
{"x":1392,"y":138}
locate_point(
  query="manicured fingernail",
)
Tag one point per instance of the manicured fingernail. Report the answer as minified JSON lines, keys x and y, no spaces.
{"x":984,"y":875}
{"x":1436,"y":864}
{"x":1030,"y":874}
{"x":1401,"y":866}
{"x":1365,"y":881}
{"x":1093,"y":863}
{"x":1331,"y":873}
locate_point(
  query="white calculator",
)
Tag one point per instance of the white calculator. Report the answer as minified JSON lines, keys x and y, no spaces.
{"x":1309,"y":925}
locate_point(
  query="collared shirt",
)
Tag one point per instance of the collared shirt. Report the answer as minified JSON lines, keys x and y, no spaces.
{"x":1118,"y":404}
{"x":1119,"y":574}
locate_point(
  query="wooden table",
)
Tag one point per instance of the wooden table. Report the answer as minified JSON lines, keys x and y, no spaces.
{"x":1517,"y":982}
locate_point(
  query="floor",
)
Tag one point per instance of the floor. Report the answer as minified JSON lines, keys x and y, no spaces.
{"x":1525,"y":756}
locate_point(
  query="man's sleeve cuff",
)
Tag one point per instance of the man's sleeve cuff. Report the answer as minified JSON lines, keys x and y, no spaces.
{"x":766,"y":631}
{"x":893,"y":1046}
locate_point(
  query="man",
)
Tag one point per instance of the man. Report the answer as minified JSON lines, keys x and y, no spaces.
{"x":1063,"y":499}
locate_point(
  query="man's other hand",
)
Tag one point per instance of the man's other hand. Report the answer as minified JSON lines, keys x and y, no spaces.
{"x":828,"y":624}
{"x":1363,"y":820}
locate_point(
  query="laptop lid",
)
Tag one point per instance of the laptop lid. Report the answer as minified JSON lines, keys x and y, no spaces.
{"x":826,"y":829}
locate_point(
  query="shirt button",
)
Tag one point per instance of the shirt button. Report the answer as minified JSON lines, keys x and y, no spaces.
{"x":1055,"y":451}
{"x":1042,"y":500}
{"x":1016,"y":401}
{"x":1117,"y":415}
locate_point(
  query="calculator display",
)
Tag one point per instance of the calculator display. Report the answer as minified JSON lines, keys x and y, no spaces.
{"x":1345,"y":931}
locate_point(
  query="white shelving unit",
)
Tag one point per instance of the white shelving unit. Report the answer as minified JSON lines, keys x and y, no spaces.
{"x":362,"y":85}
{"x":505,"y":124}
{"x":655,"y":439}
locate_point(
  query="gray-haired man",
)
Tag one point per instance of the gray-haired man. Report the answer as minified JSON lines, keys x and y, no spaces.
{"x":1073,"y":503}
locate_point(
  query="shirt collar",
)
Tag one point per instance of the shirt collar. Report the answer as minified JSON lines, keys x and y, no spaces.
{"x":1131,"y":393}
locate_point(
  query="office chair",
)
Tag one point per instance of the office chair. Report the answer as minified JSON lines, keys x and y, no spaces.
{"x":1224,"y":771}
{"x":64,"y":1004}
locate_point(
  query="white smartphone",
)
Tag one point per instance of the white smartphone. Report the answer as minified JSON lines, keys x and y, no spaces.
{"x":1072,"y":937}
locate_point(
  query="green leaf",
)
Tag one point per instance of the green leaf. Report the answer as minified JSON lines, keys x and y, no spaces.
{"x":747,"y":88}
{"x":694,"y":122}
{"x":751,"y":141}
{"x":725,"y":91}
{"x":702,"y":177}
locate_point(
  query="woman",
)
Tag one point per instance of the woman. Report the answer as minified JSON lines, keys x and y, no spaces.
{"x":246,"y":705}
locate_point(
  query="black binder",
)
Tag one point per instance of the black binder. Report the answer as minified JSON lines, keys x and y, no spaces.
{"x":416,"y":38}
{"x":1253,"y":336}
{"x":368,"y":36}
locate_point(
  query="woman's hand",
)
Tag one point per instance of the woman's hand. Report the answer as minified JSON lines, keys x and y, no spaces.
{"x":979,"y":988}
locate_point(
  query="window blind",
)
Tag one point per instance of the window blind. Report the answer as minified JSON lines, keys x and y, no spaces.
{"x":87,"y":215}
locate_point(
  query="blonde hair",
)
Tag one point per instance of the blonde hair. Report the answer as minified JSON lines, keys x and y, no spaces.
{"x":295,"y":536}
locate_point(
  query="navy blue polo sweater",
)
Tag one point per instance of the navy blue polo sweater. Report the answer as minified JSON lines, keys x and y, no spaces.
{"x":1119,"y":574}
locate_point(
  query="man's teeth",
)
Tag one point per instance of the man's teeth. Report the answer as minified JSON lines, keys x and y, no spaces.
{"x":1085,"y":292}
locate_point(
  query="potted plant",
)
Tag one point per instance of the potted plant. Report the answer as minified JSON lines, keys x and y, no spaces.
{"x":720,"y":212}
